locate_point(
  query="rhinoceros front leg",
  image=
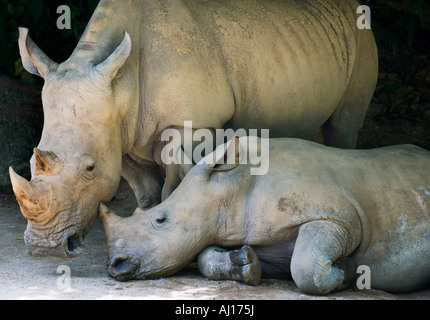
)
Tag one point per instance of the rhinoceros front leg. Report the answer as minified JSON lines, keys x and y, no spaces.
{"x":145,"y":180}
{"x":242,"y":265}
{"x":176,"y":171}
{"x":172,"y":181}
{"x":319,"y":264}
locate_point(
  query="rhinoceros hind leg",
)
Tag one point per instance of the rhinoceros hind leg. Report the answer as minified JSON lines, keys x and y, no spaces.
{"x":241,"y":265}
{"x":341,"y":129}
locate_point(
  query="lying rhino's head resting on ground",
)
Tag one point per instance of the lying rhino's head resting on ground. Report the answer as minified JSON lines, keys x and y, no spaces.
{"x":162,"y":240}
{"x":317,"y":215}
{"x":78,"y":161}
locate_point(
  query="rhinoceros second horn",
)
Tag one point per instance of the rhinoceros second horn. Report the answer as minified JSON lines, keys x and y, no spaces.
{"x":46,"y":162}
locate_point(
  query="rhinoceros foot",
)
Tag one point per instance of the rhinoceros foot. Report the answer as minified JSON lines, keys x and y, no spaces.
{"x":242,"y":265}
{"x":246,"y":265}
{"x":349,"y":268}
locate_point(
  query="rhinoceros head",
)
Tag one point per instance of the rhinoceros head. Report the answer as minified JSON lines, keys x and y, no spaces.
{"x":149,"y":244}
{"x":160,"y":241}
{"x":78,"y":161}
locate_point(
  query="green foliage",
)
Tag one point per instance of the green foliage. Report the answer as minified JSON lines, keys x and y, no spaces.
{"x":40,"y":17}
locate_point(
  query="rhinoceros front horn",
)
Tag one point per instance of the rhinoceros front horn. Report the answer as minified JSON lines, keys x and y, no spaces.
{"x":34,"y":201}
{"x":109,"y":218}
{"x":107,"y":215}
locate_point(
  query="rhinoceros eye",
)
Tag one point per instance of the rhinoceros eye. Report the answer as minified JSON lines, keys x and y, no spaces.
{"x":160,"y":221}
{"x":87,"y":165}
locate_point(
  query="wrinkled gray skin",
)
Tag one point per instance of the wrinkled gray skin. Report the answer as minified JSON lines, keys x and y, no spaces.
{"x":318,"y":214}
{"x":288,"y":66}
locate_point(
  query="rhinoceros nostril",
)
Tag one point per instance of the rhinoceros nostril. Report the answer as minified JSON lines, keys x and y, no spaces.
{"x":74,"y":245}
{"x":123,"y":268}
{"x":118,"y":263}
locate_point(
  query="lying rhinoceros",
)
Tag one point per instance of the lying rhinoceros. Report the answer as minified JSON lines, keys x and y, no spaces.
{"x":317,"y":214}
{"x":288,"y":66}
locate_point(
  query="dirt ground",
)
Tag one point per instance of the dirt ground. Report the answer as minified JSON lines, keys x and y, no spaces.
{"x":24,"y":277}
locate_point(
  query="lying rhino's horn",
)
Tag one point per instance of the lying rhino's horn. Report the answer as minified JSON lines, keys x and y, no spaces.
{"x":108,"y":217}
{"x":115,"y":61}
{"x":45,"y":162}
{"x":33,"y":202}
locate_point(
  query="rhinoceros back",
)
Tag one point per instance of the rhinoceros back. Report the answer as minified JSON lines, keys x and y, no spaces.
{"x":288,"y":62}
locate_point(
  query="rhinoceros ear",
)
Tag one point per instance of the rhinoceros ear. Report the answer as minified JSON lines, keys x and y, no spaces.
{"x":109,"y":68}
{"x":229,"y":156}
{"x":33,"y":59}
{"x":185,"y":162}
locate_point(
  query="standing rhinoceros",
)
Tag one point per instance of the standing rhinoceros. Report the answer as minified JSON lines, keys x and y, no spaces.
{"x":288,"y":66}
{"x":318,"y":214}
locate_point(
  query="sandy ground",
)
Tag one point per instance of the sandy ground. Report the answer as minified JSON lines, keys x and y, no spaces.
{"x":24,"y":277}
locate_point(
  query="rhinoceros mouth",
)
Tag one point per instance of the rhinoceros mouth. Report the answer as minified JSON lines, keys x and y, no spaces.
{"x":71,"y":245}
